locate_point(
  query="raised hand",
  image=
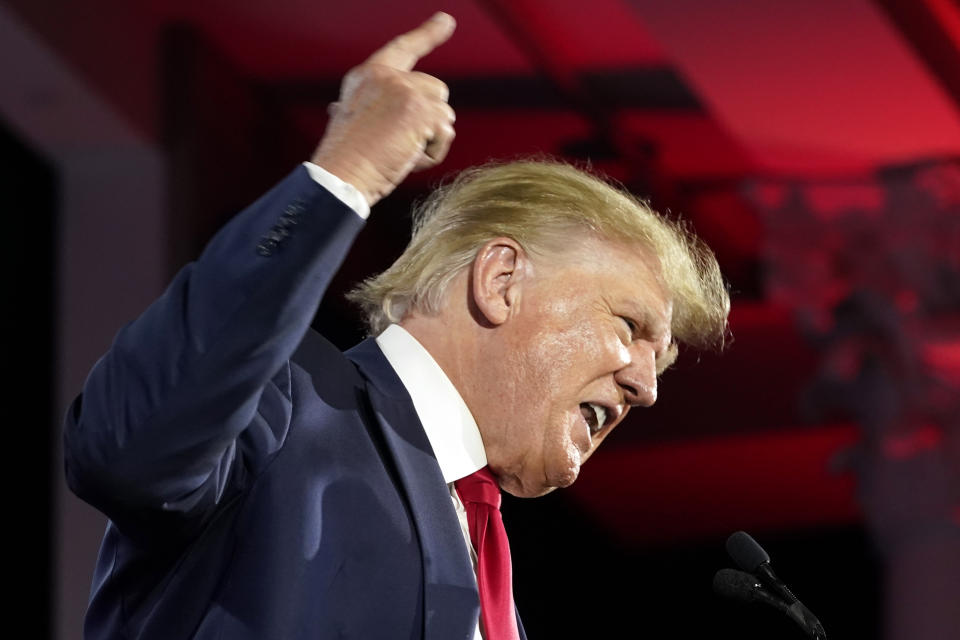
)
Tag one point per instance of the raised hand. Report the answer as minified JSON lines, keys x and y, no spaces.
{"x":390,"y":120}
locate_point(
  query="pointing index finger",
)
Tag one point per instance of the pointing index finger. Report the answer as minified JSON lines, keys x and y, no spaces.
{"x":404,"y":51}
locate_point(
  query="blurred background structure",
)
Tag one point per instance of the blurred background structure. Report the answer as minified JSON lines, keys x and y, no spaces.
{"x":814,"y":144}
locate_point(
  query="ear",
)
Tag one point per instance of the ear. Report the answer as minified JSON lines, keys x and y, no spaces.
{"x":498,"y":272}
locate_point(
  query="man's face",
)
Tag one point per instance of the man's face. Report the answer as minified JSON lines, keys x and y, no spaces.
{"x":581,"y":347}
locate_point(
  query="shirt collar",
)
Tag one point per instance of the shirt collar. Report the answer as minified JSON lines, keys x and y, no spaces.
{"x":448,"y":423}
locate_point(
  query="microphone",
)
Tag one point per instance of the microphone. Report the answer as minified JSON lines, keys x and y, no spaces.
{"x":756,"y":562}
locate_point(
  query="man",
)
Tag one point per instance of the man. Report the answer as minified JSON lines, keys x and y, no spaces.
{"x":261,"y":484}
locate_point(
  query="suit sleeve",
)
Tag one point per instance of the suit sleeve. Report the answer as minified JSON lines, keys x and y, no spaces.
{"x":161,"y":423}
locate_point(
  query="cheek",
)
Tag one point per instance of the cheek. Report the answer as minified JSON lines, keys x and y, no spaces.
{"x":544,"y":384}
{"x":565,"y":354}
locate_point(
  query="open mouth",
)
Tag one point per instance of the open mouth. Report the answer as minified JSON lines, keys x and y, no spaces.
{"x":594,"y":415}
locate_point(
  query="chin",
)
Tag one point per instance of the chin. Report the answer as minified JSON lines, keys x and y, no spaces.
{"x":566,"y":468}
{"x":533,"y":485}
{"x":558,"y":480}
{"x":516,"y":487}
{"x":528,"y":493}
{"x":565,"y":479}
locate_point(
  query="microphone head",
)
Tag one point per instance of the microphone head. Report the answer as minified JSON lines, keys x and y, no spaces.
{"x":746,"y":552}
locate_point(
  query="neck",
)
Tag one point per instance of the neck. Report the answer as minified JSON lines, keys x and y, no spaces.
{"x":452,"y":347}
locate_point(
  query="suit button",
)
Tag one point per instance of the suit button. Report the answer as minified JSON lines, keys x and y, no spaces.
{"x":295,"y":208}
{"x":267,"y":246}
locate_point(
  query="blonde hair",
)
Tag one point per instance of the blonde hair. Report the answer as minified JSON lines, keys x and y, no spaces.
{"x":542,"y":205}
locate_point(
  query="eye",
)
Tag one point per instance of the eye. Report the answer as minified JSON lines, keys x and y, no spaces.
{"x":632,"y":326}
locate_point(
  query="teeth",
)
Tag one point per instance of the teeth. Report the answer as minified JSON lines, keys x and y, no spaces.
{"x":601,"y":414}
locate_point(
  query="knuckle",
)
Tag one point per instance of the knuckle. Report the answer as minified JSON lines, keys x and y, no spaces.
{"x":400,"y":83}
{"x":445,"y":130}
{"x":389,"y":82}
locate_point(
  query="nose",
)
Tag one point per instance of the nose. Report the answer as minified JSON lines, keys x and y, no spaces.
{"x":638,"y":376}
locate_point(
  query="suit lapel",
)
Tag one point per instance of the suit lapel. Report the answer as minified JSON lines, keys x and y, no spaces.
{"x":451,"y":603}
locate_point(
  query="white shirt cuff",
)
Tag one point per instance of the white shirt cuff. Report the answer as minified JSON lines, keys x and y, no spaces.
{"x":344,"y":191}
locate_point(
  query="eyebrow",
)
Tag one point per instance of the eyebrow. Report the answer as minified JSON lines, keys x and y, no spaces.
{"x":653,"y":325}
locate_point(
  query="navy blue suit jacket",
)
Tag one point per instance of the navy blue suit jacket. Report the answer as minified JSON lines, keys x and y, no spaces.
{"x":260,"y":483}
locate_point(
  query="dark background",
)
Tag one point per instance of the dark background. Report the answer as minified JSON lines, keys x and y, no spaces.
{"x":132,"y":131}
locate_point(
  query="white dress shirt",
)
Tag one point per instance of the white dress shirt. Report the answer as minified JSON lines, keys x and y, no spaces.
{"x":448,"y":423}
{"x":344,"y":191}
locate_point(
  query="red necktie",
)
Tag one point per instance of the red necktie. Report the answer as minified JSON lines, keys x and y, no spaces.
{"x":481,"y":498}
